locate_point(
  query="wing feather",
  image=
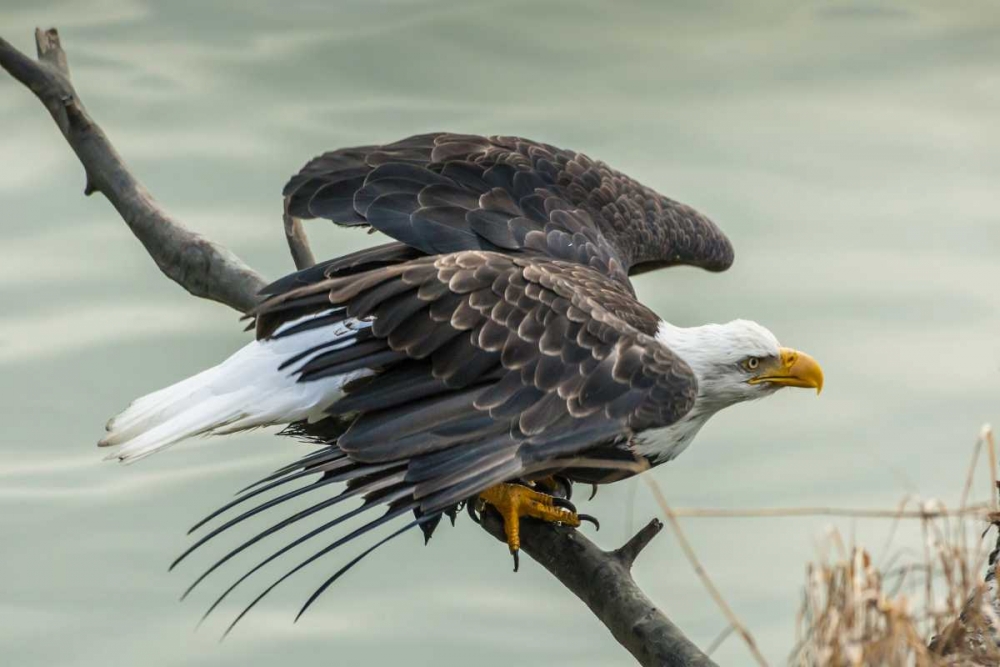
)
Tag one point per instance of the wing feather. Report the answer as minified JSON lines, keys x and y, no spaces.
{"x":483,"y":368}
{"x":440,"y":193}
{"x":538,"y":346}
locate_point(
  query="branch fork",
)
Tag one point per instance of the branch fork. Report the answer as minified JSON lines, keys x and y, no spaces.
{"x":200,"y":266}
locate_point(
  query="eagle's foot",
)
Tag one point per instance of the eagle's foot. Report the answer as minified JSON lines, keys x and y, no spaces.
{"x":555,"y":485}
{"x":514,"y":501}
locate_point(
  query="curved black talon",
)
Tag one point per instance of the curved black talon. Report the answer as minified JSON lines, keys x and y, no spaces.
{"x":517,"y":560}
{"x":470,"y":507}
{"x":565,"y":504}
{"x":566,"y":483}
{"x":593,"y":491}
{"x":590,"y":519}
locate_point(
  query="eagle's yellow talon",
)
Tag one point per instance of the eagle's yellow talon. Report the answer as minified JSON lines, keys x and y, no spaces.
{"x":514,"y":501}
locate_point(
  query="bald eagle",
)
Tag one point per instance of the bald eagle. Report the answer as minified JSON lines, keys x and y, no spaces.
{"x":492,"y":355}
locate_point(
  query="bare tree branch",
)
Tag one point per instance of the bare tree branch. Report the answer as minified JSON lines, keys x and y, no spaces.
{"x":298,"y":242}
{"x":601,"y":579}
{"x":203,"y":268}
{"x":628,"y":552}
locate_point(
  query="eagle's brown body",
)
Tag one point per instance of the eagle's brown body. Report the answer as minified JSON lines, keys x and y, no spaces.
{"x":497,"y":339}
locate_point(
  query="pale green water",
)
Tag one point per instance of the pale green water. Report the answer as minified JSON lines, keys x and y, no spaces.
{"x":849,"y":152}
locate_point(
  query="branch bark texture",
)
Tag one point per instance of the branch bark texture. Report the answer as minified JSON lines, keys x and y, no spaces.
{"x":200,"y":266}
{"x":298,"y":242}
{"x":601,"y":579}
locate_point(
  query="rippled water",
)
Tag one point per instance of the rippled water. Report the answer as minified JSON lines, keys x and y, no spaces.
{"x":849,"y":150}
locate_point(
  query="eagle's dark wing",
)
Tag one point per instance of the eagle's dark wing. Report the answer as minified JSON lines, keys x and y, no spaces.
{"x":442,"y":193}
{"x":470,"y":369}
{"x":486,"y":366}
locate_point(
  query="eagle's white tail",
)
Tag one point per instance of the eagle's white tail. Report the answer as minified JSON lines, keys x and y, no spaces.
{"x":245,"y":391}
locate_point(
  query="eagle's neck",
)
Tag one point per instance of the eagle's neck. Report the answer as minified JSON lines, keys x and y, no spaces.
{"x":705,"y":350}
{"x":665,"y":444}
{"x":699,"y":347}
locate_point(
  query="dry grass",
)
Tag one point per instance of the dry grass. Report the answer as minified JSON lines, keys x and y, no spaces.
{"x":854,"y":615}
{"x":934,"y":611}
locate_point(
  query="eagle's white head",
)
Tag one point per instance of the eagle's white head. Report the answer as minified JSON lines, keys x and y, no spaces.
{"x":738,"y":361}
{"x":734,"y":362}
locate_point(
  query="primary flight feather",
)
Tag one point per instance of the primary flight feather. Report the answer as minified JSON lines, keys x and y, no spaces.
{"x":492,"y":355}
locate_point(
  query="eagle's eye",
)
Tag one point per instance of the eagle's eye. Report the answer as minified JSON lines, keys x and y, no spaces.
{"x":751,"y":363}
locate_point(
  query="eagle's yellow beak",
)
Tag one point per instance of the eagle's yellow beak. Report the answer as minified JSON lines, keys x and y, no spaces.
{"x":792,"y":369}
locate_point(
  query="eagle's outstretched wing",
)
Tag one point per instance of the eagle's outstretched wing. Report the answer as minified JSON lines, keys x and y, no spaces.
{"x":489,"y":365}
{"x":468,"y":370}
{"x":441,"y":193}
{"x":497,"y":338}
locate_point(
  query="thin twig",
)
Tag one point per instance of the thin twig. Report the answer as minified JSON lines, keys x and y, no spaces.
{"x":702,"y":574}
{"x":858,"y":513}
{"x":298,"y":242}
{"x":198,"y":265}
{"x":721,"y":637}
{"x":603,"y":581}
{"x":897,"y":520}
{"x":631,"y":491}
{"x":628,"y":552}
{"x":971,"y":473}
{"x":991,"y":447}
